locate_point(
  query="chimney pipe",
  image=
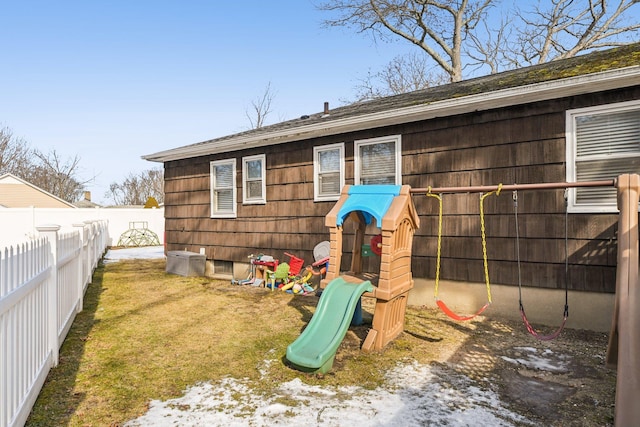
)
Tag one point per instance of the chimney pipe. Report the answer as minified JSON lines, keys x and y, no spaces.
{"x":326,"y":108}
{"x":87,"y":196}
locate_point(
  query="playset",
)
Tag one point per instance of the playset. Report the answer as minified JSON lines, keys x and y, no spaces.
{"x":390,"y":210}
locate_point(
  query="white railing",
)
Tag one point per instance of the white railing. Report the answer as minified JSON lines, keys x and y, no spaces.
{"x":42,"y":285}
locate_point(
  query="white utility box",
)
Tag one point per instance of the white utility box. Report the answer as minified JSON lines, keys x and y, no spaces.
{"x":185,"y":263}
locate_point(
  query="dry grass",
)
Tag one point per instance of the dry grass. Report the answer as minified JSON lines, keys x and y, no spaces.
{"x":148,"y":335}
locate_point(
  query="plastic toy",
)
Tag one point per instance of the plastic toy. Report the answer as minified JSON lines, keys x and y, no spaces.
{"x":392,"y":209}
{"x":315,"y":349}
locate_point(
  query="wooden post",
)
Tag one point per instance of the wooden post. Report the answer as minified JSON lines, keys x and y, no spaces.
{"x":624,"y":340}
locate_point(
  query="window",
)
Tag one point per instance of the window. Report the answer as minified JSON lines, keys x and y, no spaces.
{"x":253,"y":182}
{"x":328,"y":172}
{"x":223,"y":192}
{"x":602,"y":143}
{"x":378,"y":161}
{"x":222,"y":267}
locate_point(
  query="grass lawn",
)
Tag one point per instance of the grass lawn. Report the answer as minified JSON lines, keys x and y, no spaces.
{"x":146,"y":335}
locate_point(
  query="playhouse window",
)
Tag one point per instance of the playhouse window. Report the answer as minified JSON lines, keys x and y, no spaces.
{"x":328,"y":171}
{"x":378,"y":161}
{"x":223,"y":193}
{"x":602,"y":143}
{"x":253,"y":182}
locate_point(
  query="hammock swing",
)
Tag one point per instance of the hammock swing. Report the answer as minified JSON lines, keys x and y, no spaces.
{"x":441,"y":303}
{"x":528,"y":325}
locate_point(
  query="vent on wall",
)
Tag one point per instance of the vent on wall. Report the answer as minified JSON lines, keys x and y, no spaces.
{"x":222,"y":267}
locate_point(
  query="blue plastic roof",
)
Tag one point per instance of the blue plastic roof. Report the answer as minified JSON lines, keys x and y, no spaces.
{"x":372,"y":200}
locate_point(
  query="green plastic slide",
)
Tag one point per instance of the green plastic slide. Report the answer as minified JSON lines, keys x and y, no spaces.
{"x":315,"y":348}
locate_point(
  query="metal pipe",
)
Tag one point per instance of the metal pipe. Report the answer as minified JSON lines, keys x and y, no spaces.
{"x":511,"y":187}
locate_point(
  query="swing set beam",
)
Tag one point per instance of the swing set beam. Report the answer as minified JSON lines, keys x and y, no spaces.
{"x":512,"y":187}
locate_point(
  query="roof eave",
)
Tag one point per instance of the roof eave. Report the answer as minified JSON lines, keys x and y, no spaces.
{"x":596,"y":82}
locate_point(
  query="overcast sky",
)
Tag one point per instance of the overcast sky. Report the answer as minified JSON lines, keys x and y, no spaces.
{"x":111,"y":81}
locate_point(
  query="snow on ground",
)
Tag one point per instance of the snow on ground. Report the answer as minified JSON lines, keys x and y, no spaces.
{"x":413,"y":395}
{"x":547,"y":361}
{"x":143,"y":252}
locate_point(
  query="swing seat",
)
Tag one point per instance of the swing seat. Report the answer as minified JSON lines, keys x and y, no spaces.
{"x":536,"y":334}
{"x":457,"y":317}
{"x":485,"y":261}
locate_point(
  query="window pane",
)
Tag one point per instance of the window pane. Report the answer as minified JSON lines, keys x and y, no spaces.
{"x":378,"y":163}
{"x":329,"y":160}
{"x":329,"y":183}
{"x":597,"y":170}
{"x":254,"y":169}
{"x":608,"y":134}
{"x":607,"y":145}
{"x":254,"y":189}
{"x":223,"y":176}
{"x":378,"y":181}
{"x":224,"y":200}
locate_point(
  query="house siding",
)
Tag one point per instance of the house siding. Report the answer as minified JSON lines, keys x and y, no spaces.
{"x":521,"y":144}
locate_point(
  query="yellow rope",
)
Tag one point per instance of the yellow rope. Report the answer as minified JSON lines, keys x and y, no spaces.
{"x":484,"y":239}
{"x":430,"y":194}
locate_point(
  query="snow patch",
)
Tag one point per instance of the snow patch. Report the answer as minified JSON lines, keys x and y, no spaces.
{"x":546,"y":361}
{"x":413,"y":395}
{"x":143,"y":252}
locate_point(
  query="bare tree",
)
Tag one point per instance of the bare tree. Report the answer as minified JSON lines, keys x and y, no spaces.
{"x":489,"y":47}
{"x":56,"y":175}
{"x":403,"y":74}
{"x":260,"y":108}
{"x":137,"y":188}
{"x":47,"y":171}
{"x":14,"y":153}
{"x":438,"y":27}
{"x":560,"y":29}
{"x":448,"y":31}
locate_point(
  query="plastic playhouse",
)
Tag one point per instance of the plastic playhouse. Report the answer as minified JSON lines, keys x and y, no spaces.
{"x":395,"y":216}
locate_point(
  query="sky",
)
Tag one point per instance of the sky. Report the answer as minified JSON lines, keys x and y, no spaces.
{"x":111,"y":81}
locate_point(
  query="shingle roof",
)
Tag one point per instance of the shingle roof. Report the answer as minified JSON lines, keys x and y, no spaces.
{"x":18,"y":193}
{"x":595,"y":62}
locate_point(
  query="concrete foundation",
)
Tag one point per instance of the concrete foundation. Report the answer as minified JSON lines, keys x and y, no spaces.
{"x":587,"y":310}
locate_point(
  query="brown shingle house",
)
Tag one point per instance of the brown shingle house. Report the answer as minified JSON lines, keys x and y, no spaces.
{"x":268,"y":190}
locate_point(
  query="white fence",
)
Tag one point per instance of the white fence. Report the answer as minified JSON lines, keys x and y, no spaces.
{"x":42,"y":285}
{"x":19,"y":224}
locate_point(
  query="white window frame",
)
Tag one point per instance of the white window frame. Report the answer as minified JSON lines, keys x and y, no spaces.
{"x":214,"y":188}
{"x":245,"y":179}
{"x":397,"y":139}
{"x":316,"y":171}
{"x":571,"y":154}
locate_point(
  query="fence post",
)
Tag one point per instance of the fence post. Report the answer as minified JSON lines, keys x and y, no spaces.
{"x":50,"y":232}
{"x":91,"y":246}
{"x":82,"y":278}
